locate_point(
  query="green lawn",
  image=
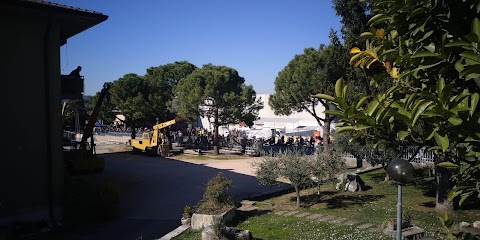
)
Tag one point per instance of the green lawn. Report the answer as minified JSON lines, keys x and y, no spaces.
{"x":375,"y":205}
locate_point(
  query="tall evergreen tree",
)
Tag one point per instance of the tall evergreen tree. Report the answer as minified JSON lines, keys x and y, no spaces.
{"x":218,"y":93}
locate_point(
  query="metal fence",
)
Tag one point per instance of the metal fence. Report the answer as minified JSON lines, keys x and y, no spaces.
{"x":420,"y":157}
{"x":104,"y":137}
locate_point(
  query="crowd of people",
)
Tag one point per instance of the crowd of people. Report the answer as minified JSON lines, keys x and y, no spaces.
{"x":202,"y":137}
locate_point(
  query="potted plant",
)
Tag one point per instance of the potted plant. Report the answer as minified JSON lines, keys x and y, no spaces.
{"x":187,"y":215}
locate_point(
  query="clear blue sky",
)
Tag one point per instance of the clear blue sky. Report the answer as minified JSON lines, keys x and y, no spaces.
{"x":256,"y":37}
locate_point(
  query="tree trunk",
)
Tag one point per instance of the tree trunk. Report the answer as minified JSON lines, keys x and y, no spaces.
{"x":326,"y":134}
{"x":134,"y":132}
{"x":297,"y":191}
{"x":444,"y":185}
{"x":216,"y":146}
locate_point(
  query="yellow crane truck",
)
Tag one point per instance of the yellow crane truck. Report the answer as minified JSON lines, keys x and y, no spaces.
{"x":154,"y":142}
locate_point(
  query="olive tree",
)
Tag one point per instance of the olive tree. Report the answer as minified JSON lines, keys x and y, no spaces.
{"x":302,"y":171}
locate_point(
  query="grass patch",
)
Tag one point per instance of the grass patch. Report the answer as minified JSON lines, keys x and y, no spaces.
{"x":375,"y":206}
{"x":189,"y":234}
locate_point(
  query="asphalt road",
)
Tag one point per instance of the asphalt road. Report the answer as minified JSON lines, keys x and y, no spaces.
{"x":155,"y":191}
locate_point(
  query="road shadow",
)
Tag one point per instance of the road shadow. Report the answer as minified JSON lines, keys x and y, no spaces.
{"x":314,"y":198}
{"x":427,"y":187}
{"x":377,"y":176}
{"x":154,"y":192}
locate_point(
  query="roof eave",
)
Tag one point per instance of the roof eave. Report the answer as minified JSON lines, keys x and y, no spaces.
{"x":72,"y":20}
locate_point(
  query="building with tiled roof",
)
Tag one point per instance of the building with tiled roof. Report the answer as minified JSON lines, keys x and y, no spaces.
{"x":31,"y":166}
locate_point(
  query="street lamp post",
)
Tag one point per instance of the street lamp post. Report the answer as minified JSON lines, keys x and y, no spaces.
{"x":399,"y":171}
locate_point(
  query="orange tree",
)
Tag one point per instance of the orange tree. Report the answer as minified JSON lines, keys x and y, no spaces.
{"x":430,"y":51}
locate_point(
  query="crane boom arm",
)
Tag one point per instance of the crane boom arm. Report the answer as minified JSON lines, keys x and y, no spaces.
{"x":164,"y":124}
{"x":93,"y":117}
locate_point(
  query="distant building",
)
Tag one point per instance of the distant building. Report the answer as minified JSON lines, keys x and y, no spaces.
{"x":32,"y":167}
{"x":299,"y":124}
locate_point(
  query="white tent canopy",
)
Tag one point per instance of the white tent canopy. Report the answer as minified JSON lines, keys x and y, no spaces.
{"x":278,"y":119}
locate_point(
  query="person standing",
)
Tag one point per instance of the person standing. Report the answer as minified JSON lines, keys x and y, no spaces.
{"x":76,"y":72}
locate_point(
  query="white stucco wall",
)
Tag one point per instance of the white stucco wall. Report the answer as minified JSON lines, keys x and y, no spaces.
{"x":289,"y":124}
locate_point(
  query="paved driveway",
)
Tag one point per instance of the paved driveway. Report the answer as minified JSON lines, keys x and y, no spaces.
{"x":155,"y":190}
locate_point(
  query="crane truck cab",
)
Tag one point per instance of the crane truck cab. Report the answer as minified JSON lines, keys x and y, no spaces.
{"x":154,"y":142}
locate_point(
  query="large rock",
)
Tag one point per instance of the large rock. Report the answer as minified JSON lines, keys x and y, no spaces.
{"x":230,"y":233}
{"x":464,"y":224}
{"x":237,"y":234}
{"x":354,"y":183}
{"x":200,"y":221}
{"x":476,"y":224}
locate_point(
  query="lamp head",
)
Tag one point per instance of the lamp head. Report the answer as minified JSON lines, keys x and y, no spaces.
{"x":400,"y":170}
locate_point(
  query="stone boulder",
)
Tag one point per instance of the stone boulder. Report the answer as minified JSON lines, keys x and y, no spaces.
{"x":464,"y":224}
{"x":229,"y":233}
{"x":237,"y":234}
{"x":476,"y":224}
{"x":354,"y":183}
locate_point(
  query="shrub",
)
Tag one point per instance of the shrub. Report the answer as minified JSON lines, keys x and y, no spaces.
{"x":267,"y":170}
{"x":326,"y":165}
{"x":215,"y":197}
{"x":301,"y":170}
{"x":291,"y":165}
{"x":187,"y":211}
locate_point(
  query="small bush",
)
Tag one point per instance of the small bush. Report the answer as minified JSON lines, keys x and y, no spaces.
{"x":326,"y":165}
{"x":267,"y":170}
{"x":301,"y":170}
{"x":291,"y":165}
{"x":187,"y":211}
{"x":215,"y":197}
